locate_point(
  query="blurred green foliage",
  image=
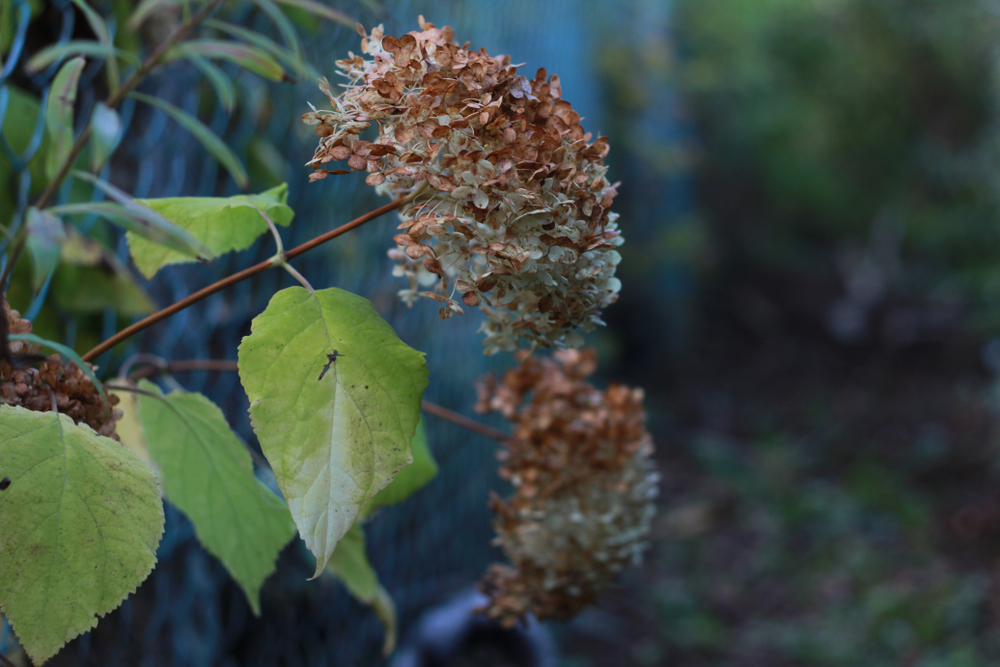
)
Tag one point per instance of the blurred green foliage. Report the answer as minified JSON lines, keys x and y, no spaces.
{"x":826,"y":116}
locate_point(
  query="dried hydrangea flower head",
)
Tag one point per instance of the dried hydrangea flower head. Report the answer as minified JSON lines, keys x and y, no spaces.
{"x":514,"y":215}
{"x":584,"y":486}
{"x":34,"y":388}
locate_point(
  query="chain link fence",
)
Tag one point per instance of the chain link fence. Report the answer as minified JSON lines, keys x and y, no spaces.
{"x":189,"y":612}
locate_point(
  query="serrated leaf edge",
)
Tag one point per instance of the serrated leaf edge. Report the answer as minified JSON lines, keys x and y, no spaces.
{"x":97,"y":616}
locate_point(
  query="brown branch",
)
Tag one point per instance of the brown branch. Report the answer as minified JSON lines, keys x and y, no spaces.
{"x":464,"y":422}
{"x":6,"y":661}
{"x":236,"y":278}
{"x":226,"y":365}
{"x":185,"y":365}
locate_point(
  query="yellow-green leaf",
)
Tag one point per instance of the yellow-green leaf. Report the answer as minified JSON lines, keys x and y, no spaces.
{"x":335,"y":400}
{"x":59,"y":114}
{"x":208,"y":474}
{"x":79,"y":524}
{"x":223,"y":224}
{"x":411,"y":478}
{"x":350,"y":564}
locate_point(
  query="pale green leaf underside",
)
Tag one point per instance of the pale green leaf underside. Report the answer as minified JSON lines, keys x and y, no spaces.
{"x":334,"y":442}
{"x":350,"y":564}
{"x":411,"y":478}
{"x":79,"y":526}
{"x":208,"y":474}
{"x":223,"y":224}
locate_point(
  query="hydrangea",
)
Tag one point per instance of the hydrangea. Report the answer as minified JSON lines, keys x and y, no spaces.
{"x":513,"y":209}
{"x":584,"y":486}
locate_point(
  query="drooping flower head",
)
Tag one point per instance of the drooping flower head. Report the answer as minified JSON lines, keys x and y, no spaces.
{"x":513,"y":212}
{"x":584,"y":486}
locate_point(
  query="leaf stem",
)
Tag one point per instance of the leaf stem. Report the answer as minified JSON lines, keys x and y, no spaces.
{"x":279,"y":258}
{"x":220,"y":285}
{"x":463,"y":421}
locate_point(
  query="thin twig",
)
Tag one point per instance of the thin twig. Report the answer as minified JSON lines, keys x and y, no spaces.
{"x":463,"y":421}
{"x":201,"y":294}
{"x":6,"y":661}
{"x":185,"y":365}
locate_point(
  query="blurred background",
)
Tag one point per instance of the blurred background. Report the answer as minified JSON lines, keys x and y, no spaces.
{"x":811,"y":298}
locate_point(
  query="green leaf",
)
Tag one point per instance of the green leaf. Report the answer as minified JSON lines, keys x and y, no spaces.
{"x":103,"y":34}
{"x":105,"y":129}
{"x":46,"y":234}
{"x":220,"y":81}
{"x":207,"y":472}
{"x":145,"y":8}
{"x":59,"y":114}
{"x":293,"y":61}
{"x":212,"y":143}
{"x":128,"y":427}
{"x":138,"y":218}
{"x":350,"y":564}
{"x":223,"y":224}
{"x":248,"y":57}
{"x":80,"y":521}
{"x":283,"y":25}
{"x":411,"y":478}
{"x":322,"y":11}
{"x":335,"y":431}
{"x":91,"y":278}
{"x":22,"y":114}
{"x":84,"y":47}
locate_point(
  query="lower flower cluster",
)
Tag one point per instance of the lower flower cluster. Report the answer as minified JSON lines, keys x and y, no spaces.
{"x":584,"y":486}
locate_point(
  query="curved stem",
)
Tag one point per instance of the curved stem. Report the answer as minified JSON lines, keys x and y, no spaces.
{"x":463,"y":421}
{"x":220,"y":285}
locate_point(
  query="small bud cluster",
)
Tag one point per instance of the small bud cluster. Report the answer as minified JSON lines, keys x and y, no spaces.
{"x":513,"y":210}
{"x":584,"y":486}
{"x":34,"y":388}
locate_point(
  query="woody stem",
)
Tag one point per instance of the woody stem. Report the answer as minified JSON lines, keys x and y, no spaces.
{"x":220,"y":285}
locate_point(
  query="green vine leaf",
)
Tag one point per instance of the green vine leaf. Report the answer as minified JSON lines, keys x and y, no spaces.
{"x":105,"y":131}
{"x":411,"y":478}
{"x":46,"y":234}
{"x":59,"y":114}
{"x":349,"y":563}
{"x":79,"y":524}
{"x":91,"y":278}
{"x":223,"y":224}
{"x":248,"y":57}
{"x":335,"y":401}
{"x":207,"y":472}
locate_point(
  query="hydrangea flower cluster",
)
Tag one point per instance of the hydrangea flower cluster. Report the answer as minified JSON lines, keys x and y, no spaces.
{"x":584,"y":486}
{"x":513,"y":213}
{"x":34,"y":388}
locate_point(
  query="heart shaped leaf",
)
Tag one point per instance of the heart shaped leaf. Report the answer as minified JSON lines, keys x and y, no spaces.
{"x":335,"y":400}
{"x":80,"y":519}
